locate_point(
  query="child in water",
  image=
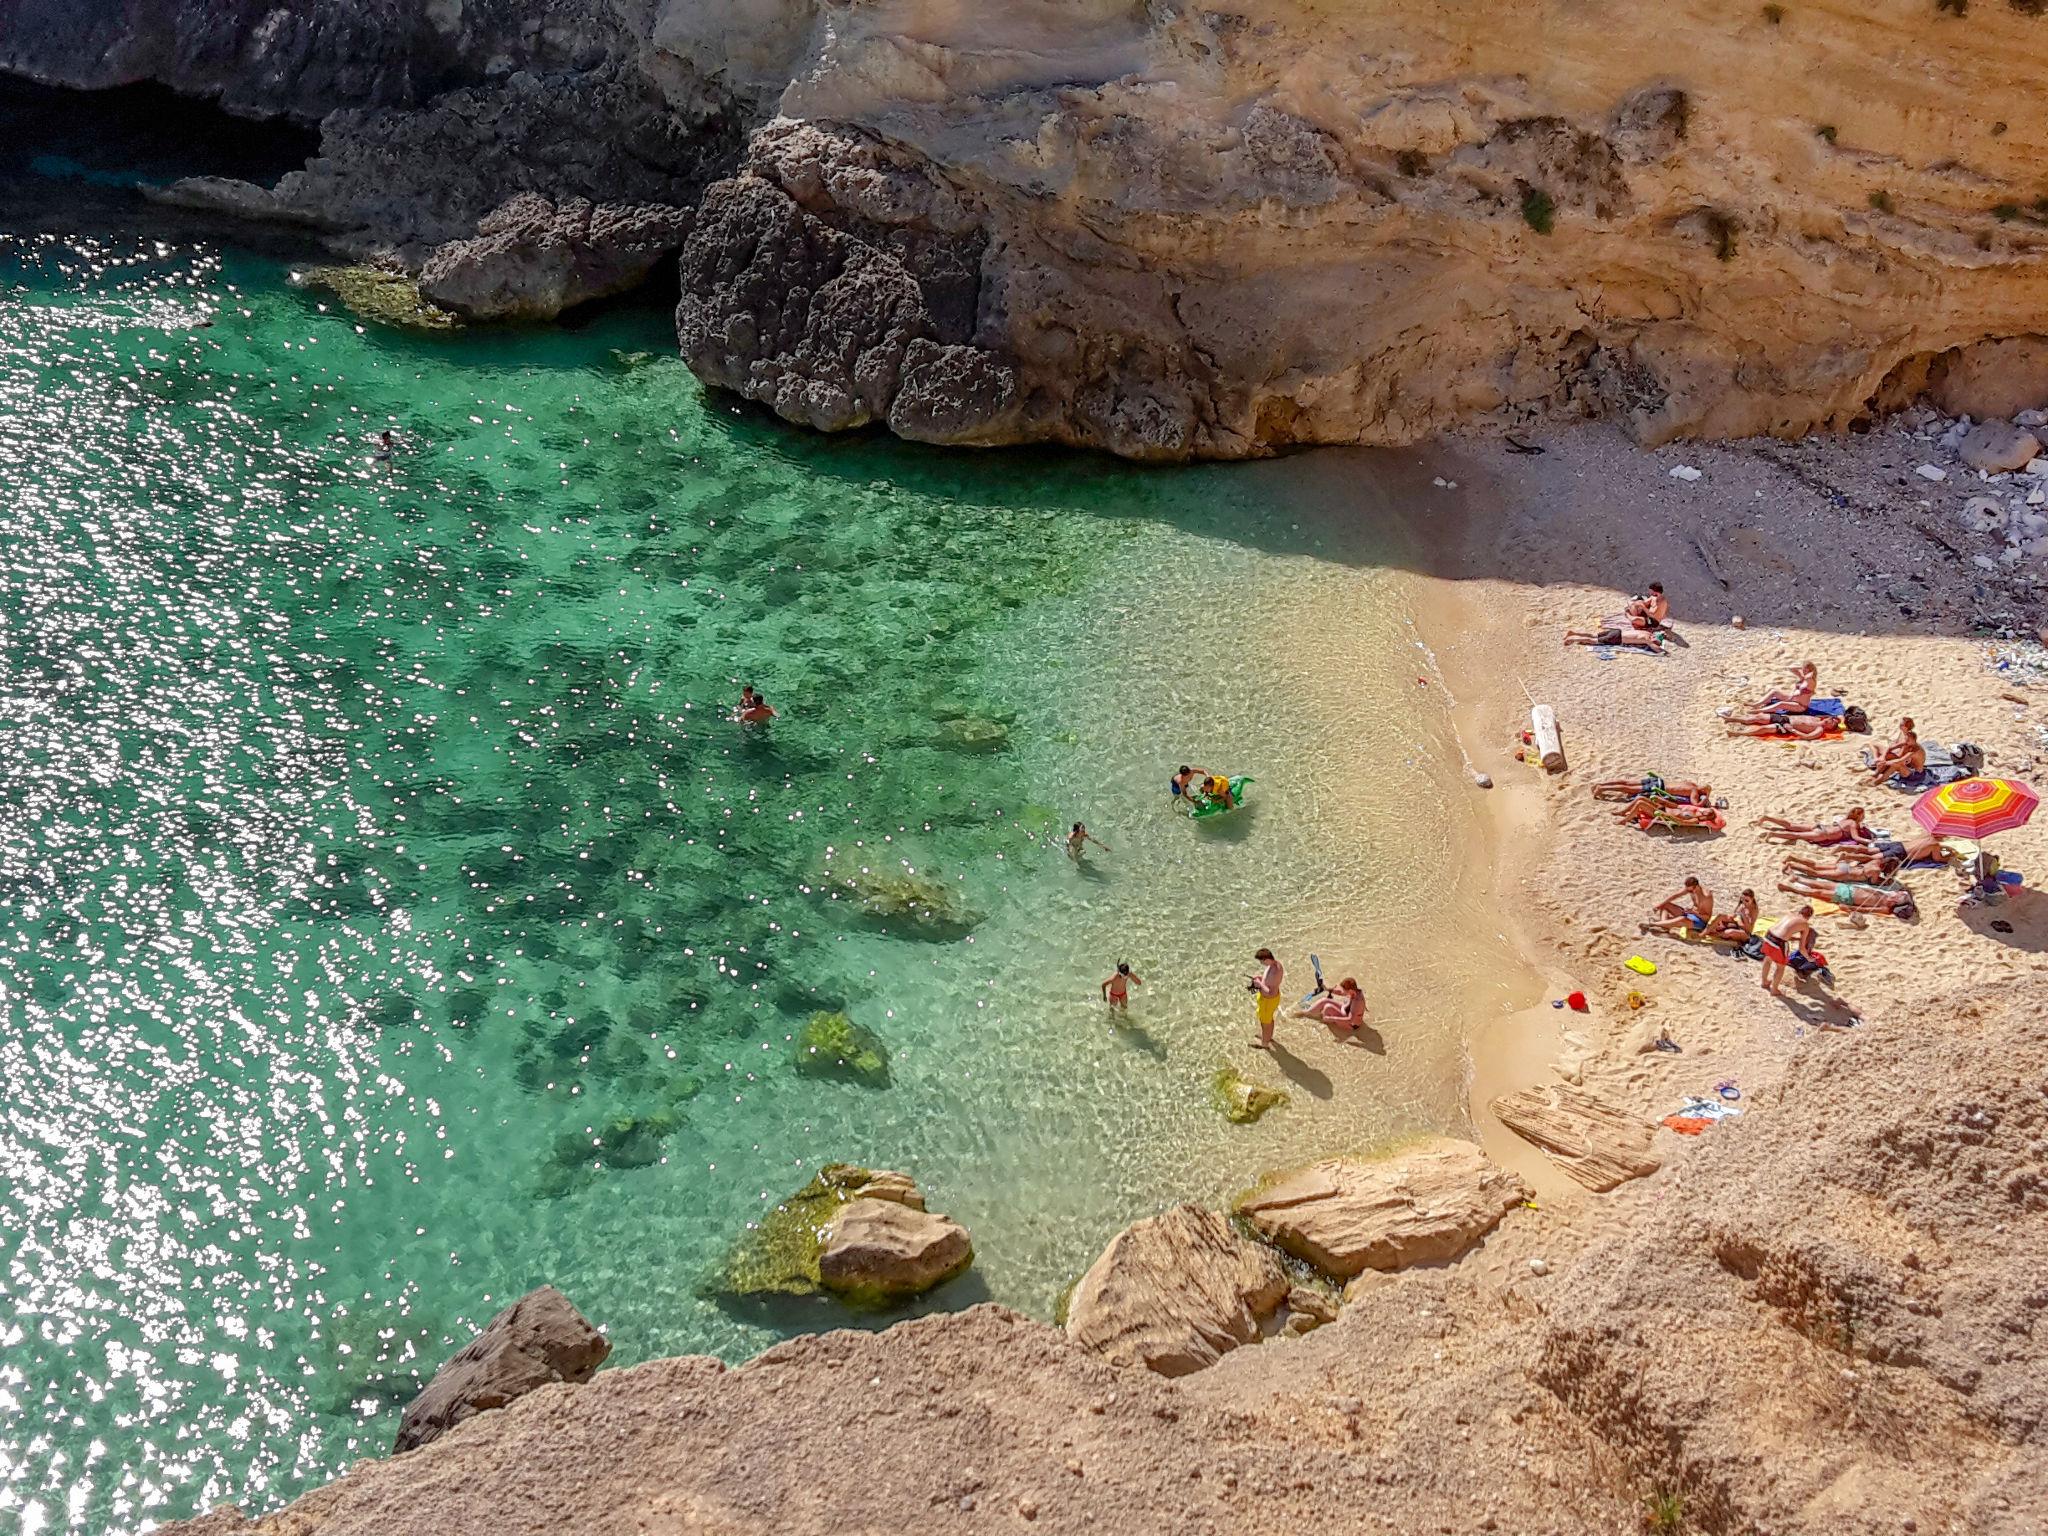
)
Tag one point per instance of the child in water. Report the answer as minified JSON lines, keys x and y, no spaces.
{"x":1078,"y":841}
{"x":753,"y":708}
{"x":1116,"y":990}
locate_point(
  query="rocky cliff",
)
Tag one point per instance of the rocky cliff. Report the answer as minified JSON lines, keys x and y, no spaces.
{"x":1170,"y":231}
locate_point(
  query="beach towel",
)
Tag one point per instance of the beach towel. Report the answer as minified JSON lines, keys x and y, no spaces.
{"x":1825,"y":707}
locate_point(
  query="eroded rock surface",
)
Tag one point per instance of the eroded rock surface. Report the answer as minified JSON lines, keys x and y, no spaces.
{"x":539,"y":1339}
{"x":1175,"y":1292}
{"x":1421,"y":1207}
{"x":875,"y":1251}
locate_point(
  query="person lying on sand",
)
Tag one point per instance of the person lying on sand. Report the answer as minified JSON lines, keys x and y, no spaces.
{"x":1898,"y":901}
{"x":1647,"y":813}
{"x":1850,"y":829}
{"x":1855,"y":861}
{"x":1736,"y":927}
{"x":1786,"y":939}
{"x":1793,"y":699}
{"x":1903,"y":755}
{"x":1653,"y":786}
{"x":1797,"y":727}
{"x":1343,"y":1010}
{"x":1916,"y":847}
{"x":1651,"y":609}
{"x":1690,"y":906}
{"x":1643,"y":639}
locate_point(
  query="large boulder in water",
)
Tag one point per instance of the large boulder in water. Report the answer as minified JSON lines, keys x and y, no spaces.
{"x":877,"y":1251}
{"x":532,"y":258}
{"x":802,"y":1247}
{"x":905,"y":902}
{"x":1421,"y":1207}
{"x":540,"y":1339}
{"x":1175,"y":1292}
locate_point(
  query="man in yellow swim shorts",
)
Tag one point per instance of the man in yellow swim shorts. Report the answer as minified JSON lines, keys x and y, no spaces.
{"x":1265,"y":988}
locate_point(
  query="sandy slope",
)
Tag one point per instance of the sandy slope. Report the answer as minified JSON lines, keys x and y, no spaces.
{"x":1823,"y":1317}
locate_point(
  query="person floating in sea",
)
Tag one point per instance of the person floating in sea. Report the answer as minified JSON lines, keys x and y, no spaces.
{"x":1343,"y":1010}
{"x":1079,"y":839}
{"x":1264,"y":985}
{"x":1696,"y":913}
{"x":753,"y":708}
{"x":1116,"y":990}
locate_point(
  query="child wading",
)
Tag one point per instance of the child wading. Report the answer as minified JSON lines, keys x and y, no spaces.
{"x":1116,"y":990}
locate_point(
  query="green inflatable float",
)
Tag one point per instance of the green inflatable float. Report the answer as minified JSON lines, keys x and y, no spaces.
{"x":1203,"y":809}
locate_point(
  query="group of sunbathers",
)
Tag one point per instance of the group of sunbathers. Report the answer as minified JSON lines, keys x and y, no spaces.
{"x":1654,"y":800}
{"x":1641,"y":624}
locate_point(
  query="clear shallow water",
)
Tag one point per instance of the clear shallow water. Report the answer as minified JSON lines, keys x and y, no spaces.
{"x":374,"y":833}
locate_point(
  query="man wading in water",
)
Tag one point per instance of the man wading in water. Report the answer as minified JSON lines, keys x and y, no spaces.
{"x":1265,"y":988}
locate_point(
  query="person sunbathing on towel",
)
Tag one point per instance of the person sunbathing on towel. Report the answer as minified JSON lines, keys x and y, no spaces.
{"x":1903,"y":755}
{"x":1653,"y":786}
{"x":1897,"y":901}
{"x":1792,"y":700}
{"x":1643,"y":639}
{"x":1646,"y":813}
{"x":1736,"y":928}
{"x":1916,"y":847}
{"x":1690,"y":906}
{"x":1850,"y":829}
{"x":1855,"y":861}
{"x":1797,"y":727}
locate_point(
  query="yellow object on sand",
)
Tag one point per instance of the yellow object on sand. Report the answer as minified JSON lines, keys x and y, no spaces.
{"x":1641,"y":966}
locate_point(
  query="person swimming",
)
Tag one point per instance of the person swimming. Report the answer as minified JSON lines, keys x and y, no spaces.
{"x":753,"y":709}
{"x":1116,"y":990}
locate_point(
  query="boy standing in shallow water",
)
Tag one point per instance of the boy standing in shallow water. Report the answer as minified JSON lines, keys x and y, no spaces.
{"x":1116,"y":991}
{"x":1265,"y":988}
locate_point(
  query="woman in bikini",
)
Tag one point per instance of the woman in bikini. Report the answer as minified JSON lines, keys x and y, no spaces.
{"x":1903,"y":756}
{"x":1855,"y":862}
{"x":1792,"y":701}
{"x":1647,"y":813}
{"x":1343,"y":1010}
{"x":1736,"y":928}
{"x":1850,"y":829}
{"x":1797,"y":727}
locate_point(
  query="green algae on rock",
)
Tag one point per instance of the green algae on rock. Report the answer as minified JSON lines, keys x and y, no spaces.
{"x":623,"y":1141}
{"x":387,"y":298}
{"x":832,"y":1045}
{"x":779,"y":1255}
{"x":906,"y":903}
{"x":1242,"y":1102}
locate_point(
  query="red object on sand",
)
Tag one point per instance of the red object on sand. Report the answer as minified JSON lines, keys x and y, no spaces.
{"x":1576,"y":1002}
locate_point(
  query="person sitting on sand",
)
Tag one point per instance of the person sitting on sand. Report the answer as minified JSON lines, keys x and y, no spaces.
{"x":1854,"y":861}
{"x":1896,"y":900}
{"x":1654,"y":786}
{"x":1785,"y":939}
{"x":1116,"y":990}
{"x":1643,"y":639}
{"x":1647,"y":813}
{"x":1850,"y":829}
{"x":1903,"y":755}
{"x":1736,"y":928}
{"x":1079,"y":839}
{"x":1790,"y":700}
{"x":1651,"y":609}
{"x":1343,"y":1010}
{"x":1669,"y":916}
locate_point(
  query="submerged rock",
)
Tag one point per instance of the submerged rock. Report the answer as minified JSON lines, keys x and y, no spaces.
{"x":1243,"y":1102}
{"x":386,"y":298}
{"x":537,"y":1340}
{"x":623,"y":1141}
{"x":832,"y":1045}
{"x":903,"y":902}
{"x":1420,"y":1207}
{"x":801,"y":1248}
{"x":973,"y":733}
{"x":1175,"y":1292}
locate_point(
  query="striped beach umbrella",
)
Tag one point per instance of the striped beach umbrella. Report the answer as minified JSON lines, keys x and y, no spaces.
{"x":1975,"y":808}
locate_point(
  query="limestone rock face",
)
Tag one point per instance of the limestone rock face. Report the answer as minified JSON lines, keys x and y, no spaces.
{"x":540,"y":1338}
{"x":1590,"y":1139}
{"x":1993,"y":378}
{"x":881,"y":1250}
{"x":1175,"y":1292}
{"x":532,"y":259}
{"x":1421,"y":1207}
{"x":1998,"y":447}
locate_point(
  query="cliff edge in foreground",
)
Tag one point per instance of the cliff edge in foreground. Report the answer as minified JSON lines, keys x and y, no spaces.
{"x":1173,"y":232}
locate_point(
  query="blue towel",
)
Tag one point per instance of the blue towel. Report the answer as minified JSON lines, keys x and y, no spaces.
{"x":1826,"y":707}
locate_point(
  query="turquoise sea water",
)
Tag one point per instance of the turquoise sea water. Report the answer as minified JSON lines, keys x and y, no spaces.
{"x":377,"y":850}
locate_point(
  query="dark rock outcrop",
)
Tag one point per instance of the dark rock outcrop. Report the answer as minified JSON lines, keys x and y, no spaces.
{"x":541,"y":1338}
{"x":532,"y":259}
